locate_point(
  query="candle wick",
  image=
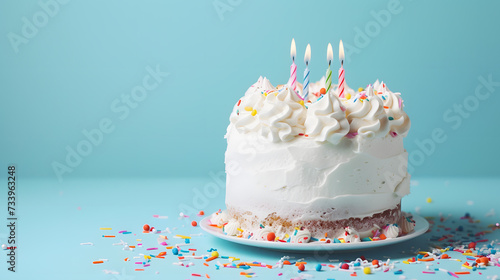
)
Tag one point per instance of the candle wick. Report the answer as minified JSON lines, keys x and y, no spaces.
{"x":307,"y":63}
{"x":342,"y":63}
{"x":329,"y":63}
{"x":293,"y":58}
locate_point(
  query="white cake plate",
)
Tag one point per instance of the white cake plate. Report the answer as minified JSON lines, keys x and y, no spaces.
{"x":421,"y":226}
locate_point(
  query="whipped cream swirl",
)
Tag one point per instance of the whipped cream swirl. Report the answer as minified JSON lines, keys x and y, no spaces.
{"x":280,"y":115}
{"x":326,"y":120}
{"x":399,"y":121}
{"x":350,"y":235}
{"x":367,"y":116}
{"x":301,"y":236}
{"x":391,"y":231}
{"x":275,"y":115}
{"x":406,"y":224}
{"x":231,"y":228}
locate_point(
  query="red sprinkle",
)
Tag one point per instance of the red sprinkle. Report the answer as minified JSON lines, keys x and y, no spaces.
{"x":271,"y":236}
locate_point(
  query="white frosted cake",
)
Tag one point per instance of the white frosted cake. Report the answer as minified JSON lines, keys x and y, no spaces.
{"x":327,"y":168}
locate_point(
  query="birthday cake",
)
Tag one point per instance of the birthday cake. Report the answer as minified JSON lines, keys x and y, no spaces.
{"x":329,"y":169}
{"x":318,"y":162}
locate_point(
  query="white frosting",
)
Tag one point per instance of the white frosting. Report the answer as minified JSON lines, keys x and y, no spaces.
{"x":393,"y":105}
{"x":219,"y":218}
{"x":279,"y":115}
{"x":326,"y":120}
{"x":274,"y":115}
{"x":391,"y":231}
{"x":231,"y":228}
{"x":300,"y":236}
{"x":301,"y":178}
{"x":367,"y":117}
{"x":350,"y":235}
{"x":406,"y":224}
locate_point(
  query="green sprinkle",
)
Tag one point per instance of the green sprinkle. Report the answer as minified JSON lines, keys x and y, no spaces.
{"x":391,"y":118}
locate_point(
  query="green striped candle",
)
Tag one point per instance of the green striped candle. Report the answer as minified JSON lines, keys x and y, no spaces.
{"x":329,"y":58}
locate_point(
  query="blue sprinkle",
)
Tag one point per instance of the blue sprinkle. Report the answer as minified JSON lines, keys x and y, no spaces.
{"x":318,"y":267}
{"x":391,"y":118}
{"x":175,"y":251}
{"x":187,"y":241}
{"x":398,"y":272}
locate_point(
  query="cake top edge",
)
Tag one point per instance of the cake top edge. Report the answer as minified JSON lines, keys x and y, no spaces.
{"x":281,"y":113}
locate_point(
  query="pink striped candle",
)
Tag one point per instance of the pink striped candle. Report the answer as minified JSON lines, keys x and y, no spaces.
{"x":341,"y":70}
{"x":292,"y":82}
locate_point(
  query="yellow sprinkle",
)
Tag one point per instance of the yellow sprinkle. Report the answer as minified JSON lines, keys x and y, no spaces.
{"x":183,"y":236}
{"x":360,"y":89}
{"x":406,"y":262}
{"x":275,"y":94}
{"x":348,"y":96}
{"x":248,"y":108}
{"x":138,"y":240}
{"x":286,"y":235}
{"x":342,"y":240}
{"x":254,"y":112}
{"x":422,"y":253}
{"x":265,"y":93}
{"x":239,"y":229}
{"x":466,"y":266}
{"x":429,"y":200}
{"x":147,"y":257}
{"x":301,"y":102}
{"x":375,"y":91}
{"x":105,"y":228}
{"x":469,"y":254}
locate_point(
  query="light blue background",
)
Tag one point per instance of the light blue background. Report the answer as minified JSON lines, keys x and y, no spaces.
{"x":65,"y":78}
